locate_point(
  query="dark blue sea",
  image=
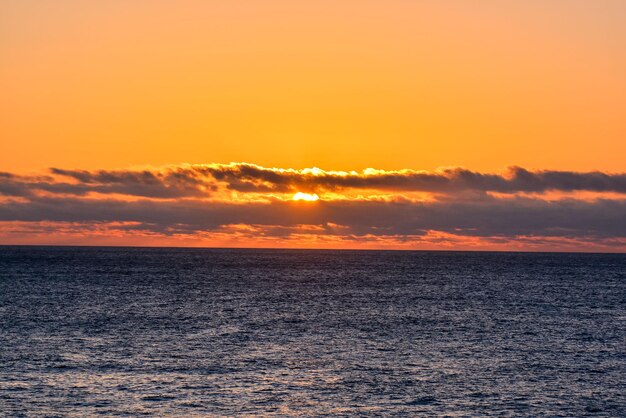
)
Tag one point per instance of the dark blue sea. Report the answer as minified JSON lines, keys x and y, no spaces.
{"x":217,"y":332}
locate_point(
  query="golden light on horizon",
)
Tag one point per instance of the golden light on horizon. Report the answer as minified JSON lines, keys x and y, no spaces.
{"x":308,"y":197}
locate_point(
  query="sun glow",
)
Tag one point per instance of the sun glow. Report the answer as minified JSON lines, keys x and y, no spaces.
{"x":309,"y":197}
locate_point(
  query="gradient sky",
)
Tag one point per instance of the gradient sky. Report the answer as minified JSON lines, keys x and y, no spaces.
{"x":401,"y":86}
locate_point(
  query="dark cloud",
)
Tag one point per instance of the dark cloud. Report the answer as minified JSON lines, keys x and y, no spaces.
{"x":174,"y":183}
{"x":497,"y":217}
{"x":455,"y":179}
{"x":172,"y":200}
{"x":202,"y":180}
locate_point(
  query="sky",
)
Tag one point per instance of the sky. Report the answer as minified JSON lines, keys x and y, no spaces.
{"x":496,"y":125}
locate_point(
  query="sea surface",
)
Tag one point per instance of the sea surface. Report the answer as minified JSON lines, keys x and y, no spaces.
{"x":217,"y":332}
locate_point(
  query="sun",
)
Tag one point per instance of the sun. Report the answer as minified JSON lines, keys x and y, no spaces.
{"x":309,"y":197}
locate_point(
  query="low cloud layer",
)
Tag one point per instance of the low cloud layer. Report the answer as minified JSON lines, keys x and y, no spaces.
{"x":194,"y":201}
{"x":516,"y":179}
{"x":604,"y":218}
{"x":201,"y":180}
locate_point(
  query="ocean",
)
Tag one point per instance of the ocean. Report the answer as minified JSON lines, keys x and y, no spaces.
{"x":228,"y":332}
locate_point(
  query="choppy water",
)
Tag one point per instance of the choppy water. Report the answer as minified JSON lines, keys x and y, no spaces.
{"x":118,"y":331}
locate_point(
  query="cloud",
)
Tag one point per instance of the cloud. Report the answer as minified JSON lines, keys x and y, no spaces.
{"x":193,"y":180}
{"x":496,"y":217}
{"x":194,"y":200}
{"x":202,"y":180}
{"x":516,"y":179}
{"x":168,"y":184}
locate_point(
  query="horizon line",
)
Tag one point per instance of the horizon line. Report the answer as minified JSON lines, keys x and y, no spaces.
{"x":183,"y":247}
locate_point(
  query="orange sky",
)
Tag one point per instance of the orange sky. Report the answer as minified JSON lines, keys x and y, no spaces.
{"x":119,"y":118}
{"x":334,"y":84}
